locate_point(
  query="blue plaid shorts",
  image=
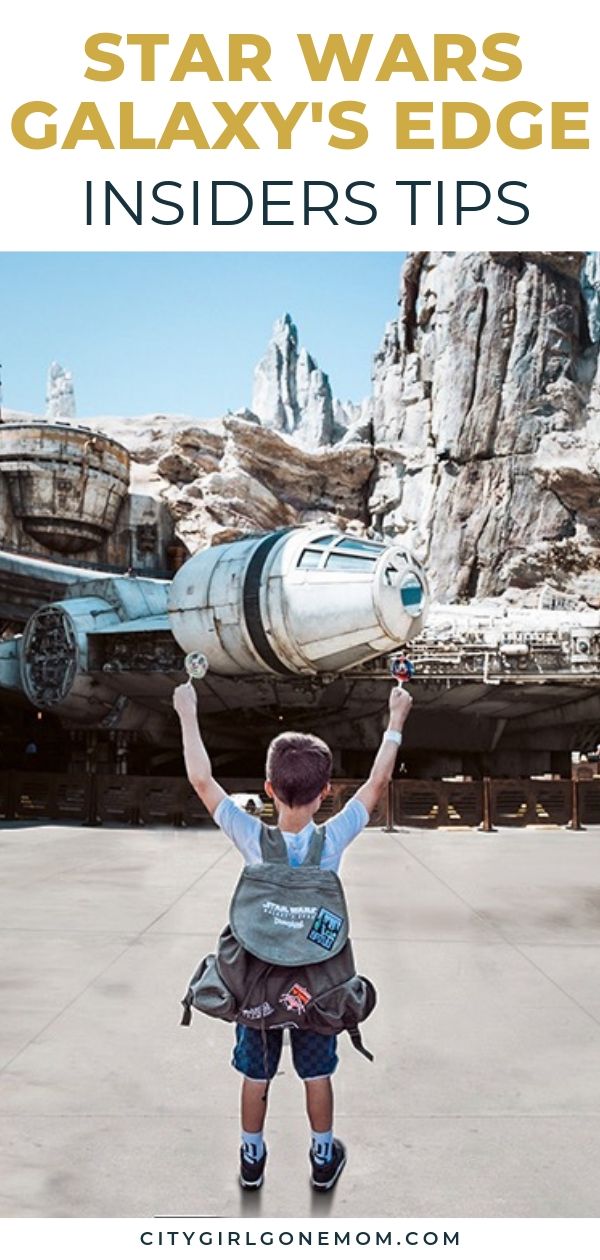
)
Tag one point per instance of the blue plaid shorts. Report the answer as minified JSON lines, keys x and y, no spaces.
{"x":313,"y":1054}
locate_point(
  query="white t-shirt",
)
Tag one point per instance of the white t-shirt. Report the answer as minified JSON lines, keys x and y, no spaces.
{"x":244,"y":830}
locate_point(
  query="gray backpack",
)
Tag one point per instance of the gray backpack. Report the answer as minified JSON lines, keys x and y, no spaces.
{"x":285,"y":960}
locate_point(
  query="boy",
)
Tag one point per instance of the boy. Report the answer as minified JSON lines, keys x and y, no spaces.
{"x":298,"y":773}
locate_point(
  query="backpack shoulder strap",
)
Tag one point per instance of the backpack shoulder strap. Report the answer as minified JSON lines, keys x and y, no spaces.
{"x":316,"y":846}
{"x":272,"y":845}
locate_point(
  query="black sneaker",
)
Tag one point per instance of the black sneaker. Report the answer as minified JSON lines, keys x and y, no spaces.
{"x":324,"y":1176}
{"x":252,"y":1171}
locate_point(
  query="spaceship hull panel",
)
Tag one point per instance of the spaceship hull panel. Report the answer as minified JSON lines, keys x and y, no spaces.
{"x":294,"y":600}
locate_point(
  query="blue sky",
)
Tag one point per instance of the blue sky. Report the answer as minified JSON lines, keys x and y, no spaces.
{"x":182,"y":332}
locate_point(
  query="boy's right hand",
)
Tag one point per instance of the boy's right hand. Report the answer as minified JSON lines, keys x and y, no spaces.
{"x":400,"y":706}
{"x":185,"y":700}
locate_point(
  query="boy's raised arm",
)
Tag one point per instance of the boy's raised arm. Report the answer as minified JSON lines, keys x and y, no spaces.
{"x":385,"y":760}
{"x":197,"y":760}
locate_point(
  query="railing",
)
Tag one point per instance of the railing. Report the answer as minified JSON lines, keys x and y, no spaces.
{"x":526,"y":802}
{"x":411,"y":803}
{"x":433,"y":803}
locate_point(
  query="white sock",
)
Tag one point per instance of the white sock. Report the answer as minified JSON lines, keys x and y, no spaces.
{"x":253,"y":1146}
{"x":322,"y":1146}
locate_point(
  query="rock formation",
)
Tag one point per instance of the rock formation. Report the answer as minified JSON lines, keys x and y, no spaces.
{"x":291,"y":393}
{"x":221,"y":484}
{"x":60,"y":394}
{"x":486,"y":398}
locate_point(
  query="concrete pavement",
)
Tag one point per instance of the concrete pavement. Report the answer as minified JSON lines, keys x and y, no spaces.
{"x":484,"y":1098}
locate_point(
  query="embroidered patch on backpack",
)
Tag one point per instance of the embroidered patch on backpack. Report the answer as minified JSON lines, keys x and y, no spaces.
{"x":258,"y":1012}
{"x":326,"y":928}
{"x":296,"y":999}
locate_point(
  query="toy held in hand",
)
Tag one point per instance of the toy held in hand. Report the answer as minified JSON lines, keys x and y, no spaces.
{"x":196,"y":665}
{"x":402,"y":668}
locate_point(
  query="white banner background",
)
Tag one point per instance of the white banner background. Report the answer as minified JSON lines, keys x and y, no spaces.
{"x":486,"y":1239}
{"x":43,"y":192}
{"x":43,"y":208}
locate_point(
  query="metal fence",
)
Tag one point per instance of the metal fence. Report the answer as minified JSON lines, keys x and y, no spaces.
{"x":414,"y":803}
{"x":432,"y":803}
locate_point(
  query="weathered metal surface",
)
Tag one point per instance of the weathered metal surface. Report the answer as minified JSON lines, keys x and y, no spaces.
{"x":152,"y":653}
{"x":434,"y":803}
{"x":54,"y":659}
{"x":49,"y":657}
{"x":299,"y":601}
{"x":45,"y":796}
{"x":500,"y":644}
{"x":498,"y":691}
{"x":590,"y":802}
{"x":527,"y":802}
{"x":66,"y":484}
{"x":10,"y":672}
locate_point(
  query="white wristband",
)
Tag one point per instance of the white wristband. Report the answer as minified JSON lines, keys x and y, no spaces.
{"x":394,"y":736}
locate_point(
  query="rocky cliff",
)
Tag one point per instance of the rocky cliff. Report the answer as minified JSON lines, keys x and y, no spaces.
{"x":486,"y":414}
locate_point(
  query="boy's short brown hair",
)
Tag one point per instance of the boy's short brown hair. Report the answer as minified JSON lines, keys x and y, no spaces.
{"x":298,"y":766}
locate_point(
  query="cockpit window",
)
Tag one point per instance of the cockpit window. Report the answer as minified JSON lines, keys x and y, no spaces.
{"x":412,"y":594}
{"x":337,"y":559}
{"x":341,"y":552}
{"x":359,"y":545}
{"x":310,"y":559}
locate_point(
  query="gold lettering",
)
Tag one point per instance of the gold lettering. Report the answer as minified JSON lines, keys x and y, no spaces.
{"x":406,"y":123}
{"x":492,"y":50}
{"x":284,"y":123}
{"x":444,"y":60}
{"x":87,"y":125}
{"x":562,"y":123}
{"x":128,"y":139}
{"x":183,"y":124}
{"x":450,"y":115}
{"x":410,"y":63}
{"x":94,"y":50}
{"x":255,"y":62}
{"x":338,"y":117}
{"x":147,"y":45}
{"x":235,"y":129}
{"x":351,"y":65}
{"x":505,"y":120}
{"x":22,"y":116}
{"x":196,"y":46}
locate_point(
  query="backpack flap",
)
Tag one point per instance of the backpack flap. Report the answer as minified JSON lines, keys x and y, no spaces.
{"x":344,"y":1006}
{"x":207,"y":992}
{"x":290,"y":916}
{"x":343,"y":1009}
